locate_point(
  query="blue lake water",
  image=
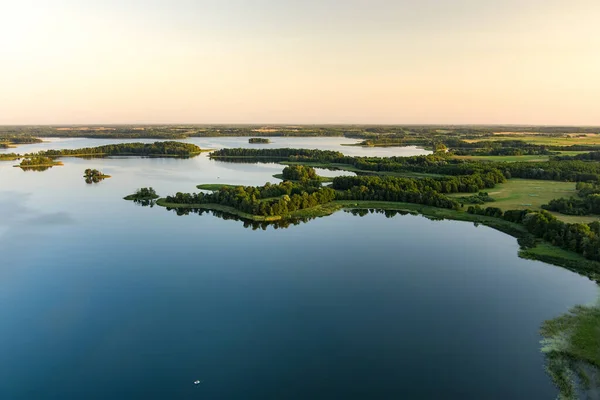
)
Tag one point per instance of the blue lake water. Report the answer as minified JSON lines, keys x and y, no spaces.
{"x":103,"y":299}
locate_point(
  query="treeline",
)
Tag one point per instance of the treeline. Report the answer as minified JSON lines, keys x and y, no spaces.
{"x":167,"y":148}
{"x":587,"y":203}
{"x":18,"y":139}
{"x":579,"y":238}
{"x":279,"y":154}
{"x":450,"y":184}
{"x":495,"y":148}
{"x":267,"y":200}
{"x":437,"y":163}
{"x":591,"y":156}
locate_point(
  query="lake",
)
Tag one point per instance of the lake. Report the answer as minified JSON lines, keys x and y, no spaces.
{"x":103,"y":299}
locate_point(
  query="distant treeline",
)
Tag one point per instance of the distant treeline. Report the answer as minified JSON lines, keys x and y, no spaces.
{"x":167,"y":148}
{"x":426,"y":135}
{"x":568,"y":169}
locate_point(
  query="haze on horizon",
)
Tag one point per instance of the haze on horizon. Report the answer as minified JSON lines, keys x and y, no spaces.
{"x":306,"y":62}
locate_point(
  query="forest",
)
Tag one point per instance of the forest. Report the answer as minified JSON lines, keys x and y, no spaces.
{"x":168,"y":148}
{"x":568,"y":169}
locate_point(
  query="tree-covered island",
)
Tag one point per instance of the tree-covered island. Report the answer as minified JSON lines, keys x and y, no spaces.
{"x":145,"y":193}
{"x":94,"y":176}
{"x":259,"y":140}
{"x":38,"y":162}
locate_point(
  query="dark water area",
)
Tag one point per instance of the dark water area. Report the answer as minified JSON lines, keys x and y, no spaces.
{"x":103,"y":299}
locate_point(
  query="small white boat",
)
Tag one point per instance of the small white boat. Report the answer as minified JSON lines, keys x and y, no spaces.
{"x":197,"y":382}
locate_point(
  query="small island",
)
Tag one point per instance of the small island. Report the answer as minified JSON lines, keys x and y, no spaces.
{"x":94,"y":176}
{"x":259,"y":140}
{"x":37,"y":162}
{"x":143,"y":194}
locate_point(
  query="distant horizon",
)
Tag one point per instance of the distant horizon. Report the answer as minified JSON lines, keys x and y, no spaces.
{"x":289,"y":124}
{"x":358,"y":62}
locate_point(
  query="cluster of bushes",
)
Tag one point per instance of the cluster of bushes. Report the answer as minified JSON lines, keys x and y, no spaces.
{"x":479,"y":198}
{"x":299,"y":173}
{"x":93,"y":176}
{"x":580,"y":238}
{"x":258,"y":140}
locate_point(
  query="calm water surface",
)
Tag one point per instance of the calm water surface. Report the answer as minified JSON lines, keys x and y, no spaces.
{"x":103,"y":299}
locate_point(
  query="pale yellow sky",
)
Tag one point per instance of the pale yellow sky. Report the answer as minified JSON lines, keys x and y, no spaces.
{"x":267,"y":61}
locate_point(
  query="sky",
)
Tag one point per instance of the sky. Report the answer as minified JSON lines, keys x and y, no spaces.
{"x":300,"y":61}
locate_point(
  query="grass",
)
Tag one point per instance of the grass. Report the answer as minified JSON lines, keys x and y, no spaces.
{"x":565,"y":140}
{"x":520,"y":194}
{"x":571,"y":343}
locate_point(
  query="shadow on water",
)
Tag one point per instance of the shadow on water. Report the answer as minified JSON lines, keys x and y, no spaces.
{"x":250,"y":224}
{"x":145,"y":202}
{"x":280,"y":224}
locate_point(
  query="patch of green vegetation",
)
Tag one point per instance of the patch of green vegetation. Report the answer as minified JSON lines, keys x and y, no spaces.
{"x":9,"y":156}
{"x":562,"y":140}
{"x":545,"y":252}
{"x":571,"y":343}
{"x":521,"y":194}
{"x":142,"y":194}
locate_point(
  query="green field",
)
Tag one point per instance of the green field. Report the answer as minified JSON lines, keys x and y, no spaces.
{"x":565,"y":140}
{"x":520,"y":194}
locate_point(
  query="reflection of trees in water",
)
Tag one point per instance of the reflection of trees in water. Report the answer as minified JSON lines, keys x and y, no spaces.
{"x":93,"y":179}
{"x":145,"y":202}
{"x":38,"y":169}
{"x":250,"y":224}
{"x":361,"y":212}
{"x":280,"y":224}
